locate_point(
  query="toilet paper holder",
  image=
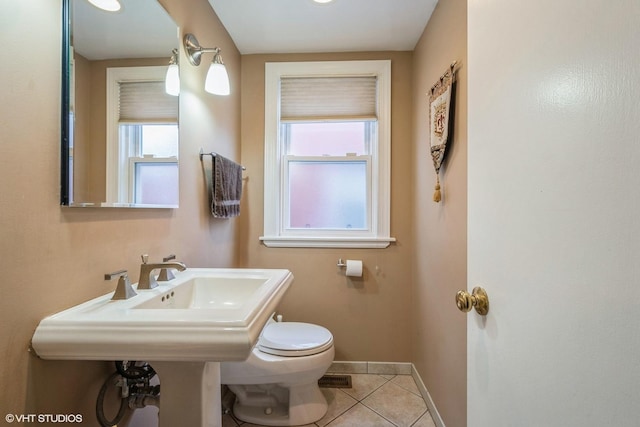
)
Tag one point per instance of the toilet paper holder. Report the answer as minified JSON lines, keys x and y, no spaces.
{"x":352,"y":268}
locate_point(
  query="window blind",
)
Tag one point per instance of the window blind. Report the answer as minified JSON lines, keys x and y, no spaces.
{"x":146,"y":102}
{"x":321,"y":98}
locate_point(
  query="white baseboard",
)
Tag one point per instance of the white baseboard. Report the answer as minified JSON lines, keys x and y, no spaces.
{"x":389,"y":368}
{"x":435,"y":415}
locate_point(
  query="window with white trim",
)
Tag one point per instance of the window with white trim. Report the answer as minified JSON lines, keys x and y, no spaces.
{"x":327,"y":154}
{"x":142,"y":138}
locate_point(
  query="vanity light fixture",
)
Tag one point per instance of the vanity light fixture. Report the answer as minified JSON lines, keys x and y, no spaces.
{"x":323,"y":1}
{"x":217,"y":81}
{"x":108,"y":5}
{"x":172,"y":79}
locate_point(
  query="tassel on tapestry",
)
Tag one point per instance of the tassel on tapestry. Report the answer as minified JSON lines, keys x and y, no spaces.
{"x":439,"y":116}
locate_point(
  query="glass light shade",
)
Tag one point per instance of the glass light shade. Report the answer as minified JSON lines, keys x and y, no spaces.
{"x":172,"y":80}
{"x":217,"y":81}
{"x":108,"y":5}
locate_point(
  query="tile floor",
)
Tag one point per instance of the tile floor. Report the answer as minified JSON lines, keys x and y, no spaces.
{"x":373,"y":401}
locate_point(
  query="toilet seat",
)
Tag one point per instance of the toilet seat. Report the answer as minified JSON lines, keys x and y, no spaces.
{"x":294,"y":339}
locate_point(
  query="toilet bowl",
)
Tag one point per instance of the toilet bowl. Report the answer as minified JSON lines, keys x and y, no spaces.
{"x":278,"y":384}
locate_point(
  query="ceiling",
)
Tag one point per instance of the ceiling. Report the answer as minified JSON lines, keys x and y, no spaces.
{"x":256,"y":26}
{"x":295,"y":26}
{"x":142,"y":29}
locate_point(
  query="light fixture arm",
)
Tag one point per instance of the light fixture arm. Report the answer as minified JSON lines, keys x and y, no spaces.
{"x":195,"y":51}
{"x":174,"y":57}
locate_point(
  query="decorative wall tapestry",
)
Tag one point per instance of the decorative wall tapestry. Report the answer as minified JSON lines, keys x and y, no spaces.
{"x":439,"y":106}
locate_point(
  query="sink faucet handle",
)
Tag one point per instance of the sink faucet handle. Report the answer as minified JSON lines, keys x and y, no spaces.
{"x":124,"y":290}
{"x":145,"y":258}
{"x":110,"y":276}
{"x":166,"y":274}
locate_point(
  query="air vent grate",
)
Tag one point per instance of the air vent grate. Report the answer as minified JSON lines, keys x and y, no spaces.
{"x":335,"y":381}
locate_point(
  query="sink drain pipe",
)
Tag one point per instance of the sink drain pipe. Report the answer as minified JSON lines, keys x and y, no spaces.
{"x":136,"y":392}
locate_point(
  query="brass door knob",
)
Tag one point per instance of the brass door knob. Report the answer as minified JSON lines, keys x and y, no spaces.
{"x":478,"y":299}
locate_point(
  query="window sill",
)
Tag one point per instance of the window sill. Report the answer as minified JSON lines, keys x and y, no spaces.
{"x":326,"y":242}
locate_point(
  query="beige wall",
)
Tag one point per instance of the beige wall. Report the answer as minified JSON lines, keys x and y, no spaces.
{"x":369,"y":318}
{"x":440,"y":263}
{"x":55,"y":257}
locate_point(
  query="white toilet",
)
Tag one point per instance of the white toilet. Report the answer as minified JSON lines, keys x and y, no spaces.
{"x":278,"y":384}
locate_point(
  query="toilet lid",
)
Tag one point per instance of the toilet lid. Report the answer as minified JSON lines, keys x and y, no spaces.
{"x":294,"y":339}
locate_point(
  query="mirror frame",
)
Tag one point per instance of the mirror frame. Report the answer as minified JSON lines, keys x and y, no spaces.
{"x":66,"y":122}
{"x":65,"y":99}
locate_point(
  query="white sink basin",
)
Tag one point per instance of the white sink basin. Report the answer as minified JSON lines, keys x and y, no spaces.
{"x":202,"y":315}
{"x":213,"y":292}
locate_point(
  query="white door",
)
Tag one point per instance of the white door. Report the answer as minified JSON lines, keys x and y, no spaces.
{"x":554,"y":212}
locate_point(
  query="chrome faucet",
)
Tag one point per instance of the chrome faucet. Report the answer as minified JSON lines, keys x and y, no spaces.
{"x":147,"y":279}
{"x":124,"y":290}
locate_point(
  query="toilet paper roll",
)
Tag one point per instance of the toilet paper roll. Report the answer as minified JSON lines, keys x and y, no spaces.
{"x":354,"y":268}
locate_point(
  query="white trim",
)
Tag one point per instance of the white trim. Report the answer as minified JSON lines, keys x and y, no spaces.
{"x":326,"y":242}
{"x":274,"y":234}
{"x":433,"y":411}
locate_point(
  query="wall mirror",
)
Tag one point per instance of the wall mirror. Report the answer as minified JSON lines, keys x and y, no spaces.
{"x":119,"y":125}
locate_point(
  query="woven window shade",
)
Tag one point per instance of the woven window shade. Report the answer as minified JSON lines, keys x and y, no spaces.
{"x":321,"y":98}
{"x":146,"y":102}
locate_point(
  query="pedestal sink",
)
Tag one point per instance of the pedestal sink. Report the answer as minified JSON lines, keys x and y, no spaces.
{"x":184,"y":328}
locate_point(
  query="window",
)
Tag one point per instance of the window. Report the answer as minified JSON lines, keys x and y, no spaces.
{"x":150,"y":171}
{"x":142,"y":138}
{"x":327,"y":154}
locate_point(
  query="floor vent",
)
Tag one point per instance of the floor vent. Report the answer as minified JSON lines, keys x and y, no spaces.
{"x":335,"y":381}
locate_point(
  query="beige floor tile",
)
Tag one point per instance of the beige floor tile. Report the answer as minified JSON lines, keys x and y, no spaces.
{"x":425,"y":421}
{"x":407,"y":382}
{"x":260,"y":425}
{"x":338,"y":401}
{"x":386,"y":401}
{"x":396,"y":404}
{"x":360,"y":416}
{"x":363,"y":385}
